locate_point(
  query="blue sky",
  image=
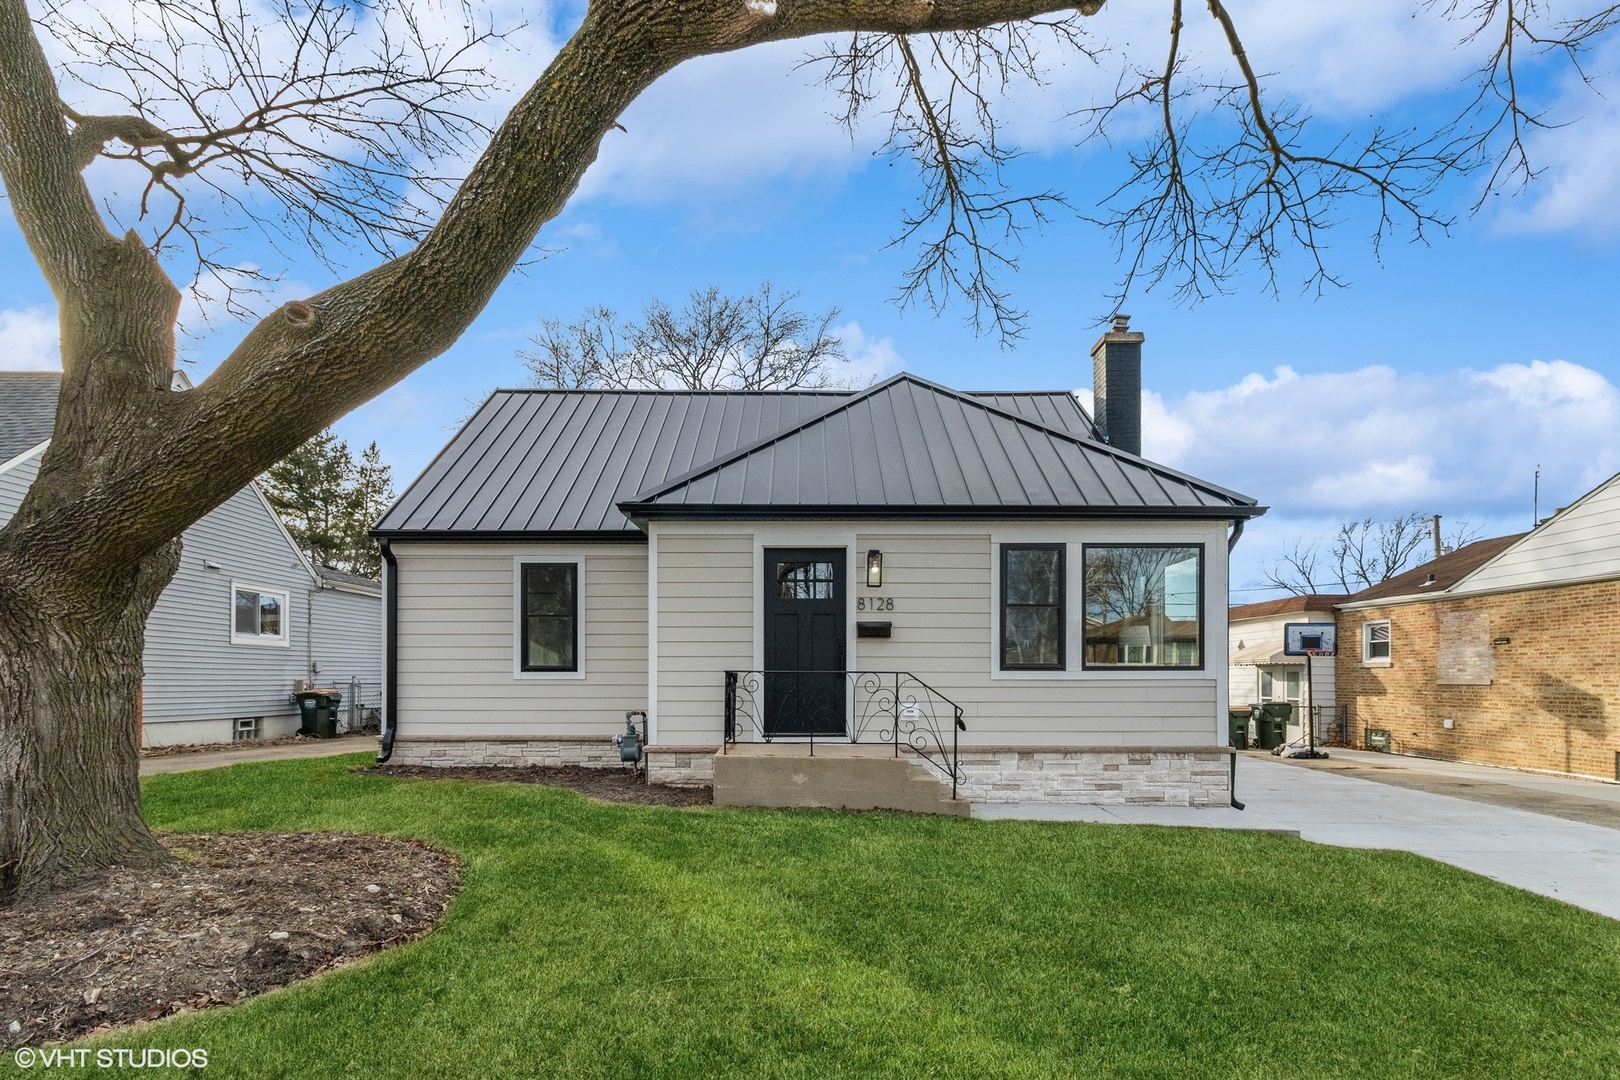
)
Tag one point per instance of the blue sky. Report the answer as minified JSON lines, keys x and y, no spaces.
{"x":1436,"y":382}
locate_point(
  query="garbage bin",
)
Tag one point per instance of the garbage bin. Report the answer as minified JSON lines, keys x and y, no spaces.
{"x":1238,"y":726}
{"x":1273,"y":723}
{"x":318,"y":711}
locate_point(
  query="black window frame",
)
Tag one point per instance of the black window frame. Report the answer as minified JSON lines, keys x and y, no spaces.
{"x":1062,"y":663}
{"x":1203,"y":637}
{"x":524,"y":665}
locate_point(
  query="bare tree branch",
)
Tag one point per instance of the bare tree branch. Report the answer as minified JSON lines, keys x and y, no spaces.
{"x":968,"y":222}
{"x":758,"y":341}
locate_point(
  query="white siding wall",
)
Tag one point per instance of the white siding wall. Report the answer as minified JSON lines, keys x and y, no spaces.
{"x":941,"y":578}
{"x":457,"y":643}
{"x":14,"y":484}
{"x":196,"y":680}
{"x":1243,"y":680}
{"x":1581,"y":543}
{"x":706,"y":621}
{"x":348,"y":638}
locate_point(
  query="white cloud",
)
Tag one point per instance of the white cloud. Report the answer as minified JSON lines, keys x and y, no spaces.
{"x":1324,"y":448}
{"x":28,"y":340}
{"x":1375,"y":441}
{"x":719,"y":125}
{"x":870,"y":359}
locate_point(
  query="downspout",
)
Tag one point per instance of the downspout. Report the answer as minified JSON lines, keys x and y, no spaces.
{"x":1231,"y":542}
{"x":390,"y":651}
{"x":1237,"y":534}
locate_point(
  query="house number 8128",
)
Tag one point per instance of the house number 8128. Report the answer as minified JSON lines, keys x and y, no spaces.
{"x":875,"y":603}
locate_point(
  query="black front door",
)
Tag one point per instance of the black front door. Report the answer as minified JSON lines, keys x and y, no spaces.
{"x":804,"y":641}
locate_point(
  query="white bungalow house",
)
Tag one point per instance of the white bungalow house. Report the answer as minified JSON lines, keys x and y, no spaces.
{"x":1261,"y":671}
{"x":988,"y":588}
{"x":245,"y":617}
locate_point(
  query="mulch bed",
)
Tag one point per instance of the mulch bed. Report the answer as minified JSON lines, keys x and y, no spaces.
{"x":237,"y":915}
{"x":612,"y":785}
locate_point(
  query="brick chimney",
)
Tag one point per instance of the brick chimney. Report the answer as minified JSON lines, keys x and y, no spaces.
{"x":1116,"y":386}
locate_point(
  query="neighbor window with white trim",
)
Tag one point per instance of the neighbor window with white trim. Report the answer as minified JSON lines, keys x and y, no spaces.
{"x":258,"y":615}
{"x":1144,"y":605}
{"x":1375,"y":642}
{"x":549,"y":622}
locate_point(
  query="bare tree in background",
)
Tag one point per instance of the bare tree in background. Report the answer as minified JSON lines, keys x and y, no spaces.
{"x":328,"y":125}
{"x":1362,"y":554}
{"x":757,"y":341}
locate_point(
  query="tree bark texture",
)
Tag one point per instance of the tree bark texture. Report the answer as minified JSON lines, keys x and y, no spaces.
{"x":70,"y":683}
{"x":133,"y":463}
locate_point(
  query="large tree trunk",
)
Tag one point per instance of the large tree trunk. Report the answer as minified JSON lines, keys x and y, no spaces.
{"x":70,"y":684}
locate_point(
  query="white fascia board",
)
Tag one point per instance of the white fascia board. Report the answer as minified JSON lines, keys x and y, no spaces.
{"x":31,"y":452}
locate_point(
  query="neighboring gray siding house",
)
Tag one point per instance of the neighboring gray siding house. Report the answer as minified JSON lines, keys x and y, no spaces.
{"x":214,"y":672}
{"x":766,"y":571}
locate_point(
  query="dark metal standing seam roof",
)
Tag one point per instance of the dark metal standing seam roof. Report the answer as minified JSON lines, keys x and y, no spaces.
{"x":27,"y":410}
{"x":549,"y":462}
{"x":909,"y":447}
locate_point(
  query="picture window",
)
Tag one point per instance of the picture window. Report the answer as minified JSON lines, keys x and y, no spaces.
{"x":1144,"y":606}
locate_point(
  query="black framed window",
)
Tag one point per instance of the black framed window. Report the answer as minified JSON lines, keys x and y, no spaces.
{"x":1144,"y":605}
{"x":550,"y":618}
{"x":1032,"y":607}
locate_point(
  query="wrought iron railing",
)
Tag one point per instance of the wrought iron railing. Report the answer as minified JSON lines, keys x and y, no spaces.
{"x":893,"y":708}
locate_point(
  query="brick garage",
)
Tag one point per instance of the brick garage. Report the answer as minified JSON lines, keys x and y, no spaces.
{"x":1553,"y":700}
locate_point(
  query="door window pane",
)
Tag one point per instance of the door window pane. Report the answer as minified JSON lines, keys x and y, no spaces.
{"x":1032,"y":606}
{"x":805,"y":581}
{"x":550,"y":617}
{"x":1144,"y":606}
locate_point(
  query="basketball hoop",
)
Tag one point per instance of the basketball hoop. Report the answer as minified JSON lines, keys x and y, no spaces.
{"x":1310,"y":640}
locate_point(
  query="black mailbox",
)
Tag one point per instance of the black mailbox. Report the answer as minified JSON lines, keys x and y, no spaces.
{"x":872,"y":629}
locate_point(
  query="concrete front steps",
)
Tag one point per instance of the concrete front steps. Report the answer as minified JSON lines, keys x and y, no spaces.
{"x":838,"y":776}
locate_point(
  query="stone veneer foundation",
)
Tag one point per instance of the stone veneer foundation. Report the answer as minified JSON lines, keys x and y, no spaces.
{"x":1148,"y":776}
{"x":598,"y":753}
{"x":1154,"y":776}
{"x":681,"y":766}
{"x":677,"y":766}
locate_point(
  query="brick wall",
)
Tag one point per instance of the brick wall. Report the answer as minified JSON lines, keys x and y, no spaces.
{"x":1554,"y":699}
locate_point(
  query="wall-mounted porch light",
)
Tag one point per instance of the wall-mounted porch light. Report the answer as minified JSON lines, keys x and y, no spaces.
{"x":874,"y":569}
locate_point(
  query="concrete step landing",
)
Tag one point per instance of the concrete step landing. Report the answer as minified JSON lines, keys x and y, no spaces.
{"x":839,"y":776}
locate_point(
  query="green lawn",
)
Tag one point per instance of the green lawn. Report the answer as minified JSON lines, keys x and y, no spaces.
{"x":609,"y":940}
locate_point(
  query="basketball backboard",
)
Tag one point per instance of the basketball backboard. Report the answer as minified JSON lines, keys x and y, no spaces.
{"x":1309,"y":639}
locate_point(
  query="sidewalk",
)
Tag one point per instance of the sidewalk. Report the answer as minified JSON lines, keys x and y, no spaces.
{"x":1570,"y":860}
{"x":218,"y":759}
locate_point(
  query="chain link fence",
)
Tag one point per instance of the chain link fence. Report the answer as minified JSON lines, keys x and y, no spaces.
{"x":361,"y":710}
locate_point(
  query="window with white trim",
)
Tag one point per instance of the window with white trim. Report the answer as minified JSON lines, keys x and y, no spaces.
{"x":258,"y":615}
{"x":1375,"y":642}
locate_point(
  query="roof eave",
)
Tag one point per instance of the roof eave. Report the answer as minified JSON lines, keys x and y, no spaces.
{"x":641,"y":512}
{"x":440,"y":536}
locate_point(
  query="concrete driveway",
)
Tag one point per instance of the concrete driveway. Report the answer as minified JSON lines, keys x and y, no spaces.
{"x":1573,"y":861}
